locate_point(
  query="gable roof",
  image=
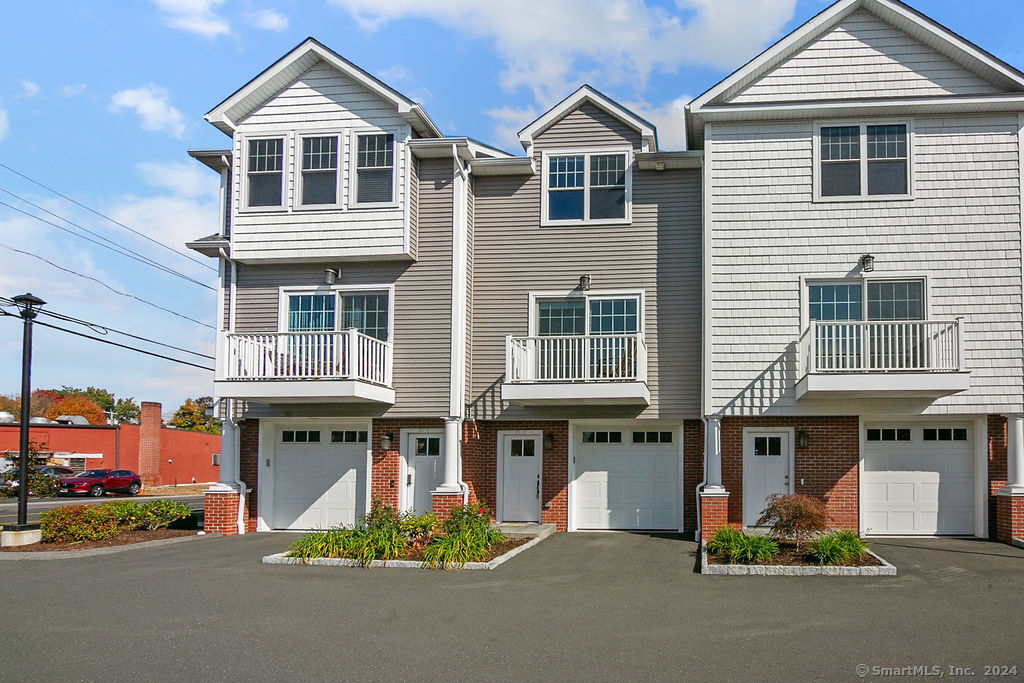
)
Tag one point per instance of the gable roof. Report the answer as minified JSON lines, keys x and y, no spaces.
{"x":284,"y":71}
{"x":893,"y":12}
{"x":583,"y":94}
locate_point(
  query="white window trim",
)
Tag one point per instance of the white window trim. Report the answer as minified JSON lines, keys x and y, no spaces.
{"x":353,"y":170}
{"x":863,"y":280}
{"x":587,"y":152}
{"x":864,"y":196}
{"x":638,"y":294}
{"x":339,"y":187}
{"x":339,"y":290}
{"x":243,"y":196}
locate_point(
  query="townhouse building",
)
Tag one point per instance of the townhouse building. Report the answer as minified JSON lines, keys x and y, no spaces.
{"x":822,"y":294}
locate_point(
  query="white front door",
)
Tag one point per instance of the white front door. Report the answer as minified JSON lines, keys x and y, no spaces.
{"x":520,"y":477}
{"x":424,"y":469}
{"x":766,"y":463}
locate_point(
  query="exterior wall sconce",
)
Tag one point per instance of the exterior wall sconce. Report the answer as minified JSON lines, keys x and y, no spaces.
{"x":584,"y":283}
{"x":867,"y":263}
{"x":803,"y":439}
{"x":549,"y":441}
{"x":331,"y":275}
{"x":386,"y":441}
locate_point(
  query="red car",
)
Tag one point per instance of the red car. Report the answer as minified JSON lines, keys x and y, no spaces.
{"x":98,"y":482}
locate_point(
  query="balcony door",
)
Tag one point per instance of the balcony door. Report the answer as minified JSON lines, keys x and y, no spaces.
{"x":587,"y":338}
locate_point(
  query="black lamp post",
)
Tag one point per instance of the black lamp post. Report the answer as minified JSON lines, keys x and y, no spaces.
{"x":28,"y":306}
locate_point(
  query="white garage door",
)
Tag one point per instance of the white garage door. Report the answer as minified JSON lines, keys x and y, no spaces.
{"x":319,"y":478}
{"x":918,"y":480}
{"x":625,"y":484}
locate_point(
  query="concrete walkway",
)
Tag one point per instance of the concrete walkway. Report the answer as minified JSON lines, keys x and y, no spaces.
{"x":582,"y":606}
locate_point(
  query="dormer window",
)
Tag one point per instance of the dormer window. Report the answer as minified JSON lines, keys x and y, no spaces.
{"x":264,"y":172}
{"x":320,"y":170}
{"x":586,"y":187}
{"x":375,"y":168}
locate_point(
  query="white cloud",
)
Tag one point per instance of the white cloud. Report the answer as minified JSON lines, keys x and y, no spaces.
{"x":667,"y":119}
{"x":29,"y":89}
{"x":268,"y":19}
{"x":508,"y":121}
{"x":550,"y":47}
{"x":172,"y":220}
{"x":5,"y":126}
{"x":394,"y":74}
{"x":182,"y":178}
{"x":153,"y":106}
{"x":72,"y":90}
{"x":194,"y":16}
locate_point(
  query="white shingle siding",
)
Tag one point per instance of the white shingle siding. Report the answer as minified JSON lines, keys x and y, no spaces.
{"x":863,"y":57}
{"x":321,"y":99}
{"x":962,"y":230}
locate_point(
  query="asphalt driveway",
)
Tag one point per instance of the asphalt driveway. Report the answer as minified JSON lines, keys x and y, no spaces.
{"x":576,"y":607}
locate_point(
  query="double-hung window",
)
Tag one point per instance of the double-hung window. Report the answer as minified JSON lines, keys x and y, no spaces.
{"x":864,"y":160}
{"x":265,"y":172}
{"x":375,"y":168}
{"x":320,"y":170}
{"x":586,"y":187}
{"x":588,"y":338}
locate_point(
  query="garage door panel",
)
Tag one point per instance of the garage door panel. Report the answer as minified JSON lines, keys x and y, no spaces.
{"x":318,"y":485}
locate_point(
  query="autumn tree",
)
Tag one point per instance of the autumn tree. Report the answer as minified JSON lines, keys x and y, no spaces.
{"x":77,"y":405}
{"x":192,"y":415}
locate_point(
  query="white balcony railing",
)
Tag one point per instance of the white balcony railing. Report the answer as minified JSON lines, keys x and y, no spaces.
{"x":348,"y":354}
{"x":919,"y":346}
{"x":576,"y":358}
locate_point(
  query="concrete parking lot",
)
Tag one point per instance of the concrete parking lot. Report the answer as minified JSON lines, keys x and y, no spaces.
{"x":576,"y":607}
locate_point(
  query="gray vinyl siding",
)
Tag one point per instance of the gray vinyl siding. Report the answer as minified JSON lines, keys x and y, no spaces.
{"x":863,"y":57}
{"x":588,"y":126}
{"x":320,"y":101}
{"x":658,"y":253}
{"x":962,"y":229}
{"x":422,"y":306}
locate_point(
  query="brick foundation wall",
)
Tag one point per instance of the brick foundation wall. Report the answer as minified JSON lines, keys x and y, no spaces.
{"x":714,"y":512}
{"x":443,"y":504}
{"x":828,"y":466}
{"x":997,"y":464}
{"x":480,"y":465}
{"x":249,"y":468}
{"x":693,"y":470}
{"x":1010,"y":518}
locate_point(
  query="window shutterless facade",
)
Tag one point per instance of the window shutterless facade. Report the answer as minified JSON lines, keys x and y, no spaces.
{"x":863,"y":161}
{"x":887,"y":300}
{"x":316,"y":311}
{"x":319,"y":175}
{"x":587,"y":187}
{"x":375,"y":168}
{"x":264,"y":172}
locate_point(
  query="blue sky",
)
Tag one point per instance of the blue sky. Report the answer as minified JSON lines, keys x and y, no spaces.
{"x":101,"y":100}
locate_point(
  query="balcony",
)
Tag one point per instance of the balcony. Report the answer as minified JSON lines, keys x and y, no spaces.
{"x":607,"y":369}
{"x":292,"y":367}
{"x":906,"y":359}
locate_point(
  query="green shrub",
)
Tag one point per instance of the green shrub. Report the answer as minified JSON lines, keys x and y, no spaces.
{"x":380,"y":543}
{"x":329,"y":543}
{"x":837,"y":547}
{"x":39,"y":485}
{"x":723,"y":540}
{"x":128,"y":513}
{"x":76,"y":523}
{"x":753,"y":550}
{"x":380,"y":516}
{"x":417,"y":528}
{"x":794,"y":517}
{"x":467,"y":537}
{"x":157,"y":514}
{"x":475,"y":517}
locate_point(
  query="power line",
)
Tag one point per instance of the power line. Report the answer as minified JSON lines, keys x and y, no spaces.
{"x":104,"y":329}
{"x":101,"y":215}
{"x":104,"y":284}
{"x":112,"y":343}
{"x":117,"y":249}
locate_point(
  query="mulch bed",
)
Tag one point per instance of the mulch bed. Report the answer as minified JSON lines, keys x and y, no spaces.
{"x":789,"y":556}
{"x":123,"y":538}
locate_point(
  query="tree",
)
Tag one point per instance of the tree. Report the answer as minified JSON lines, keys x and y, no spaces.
{"x":77,"y":405}
{"x":101,"y":397}
{"x":125,"y":410}
{"x":192,"y":415}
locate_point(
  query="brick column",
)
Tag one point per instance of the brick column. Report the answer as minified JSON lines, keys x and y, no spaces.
{"x":1010,"y":498}
{"x":220,"y":512}
{"x":443,"y":503}
{"x":714,"y":512}
{"x":149,"y":443}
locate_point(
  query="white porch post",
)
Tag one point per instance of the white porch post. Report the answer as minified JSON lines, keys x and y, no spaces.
{"x":713,"y":453}
{"x":451,"y":457}
{"x":1014,"y":456}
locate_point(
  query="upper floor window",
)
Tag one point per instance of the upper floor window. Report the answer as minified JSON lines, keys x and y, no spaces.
{"x":320,"y":170}
{"x":864,"y":160}
{"x":316,"y":312}
{"x":587,"y":187}
{"x":375,"y":168}
{"x":570,"y":317}
{"x":887,"y":300}
{"x":265,"y":171}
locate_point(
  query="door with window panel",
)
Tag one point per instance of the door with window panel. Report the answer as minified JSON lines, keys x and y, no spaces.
{"x":837,"y":340}
{"x":561,"y":352}
{"x":311,"y":347}
{"x":894,"y":343}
